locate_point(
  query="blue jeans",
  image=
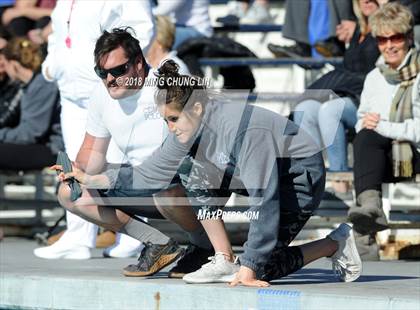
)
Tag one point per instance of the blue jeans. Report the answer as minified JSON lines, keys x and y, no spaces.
{"x":327,"y":123}
{"x":183,"y":33}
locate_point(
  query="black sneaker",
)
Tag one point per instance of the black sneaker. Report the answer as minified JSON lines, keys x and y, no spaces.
{"x":294,"y":51}
{"x":229,"y":20}
{"x":193,"y":259}
{"x":331,"y":194}
{"x":153,"y":258}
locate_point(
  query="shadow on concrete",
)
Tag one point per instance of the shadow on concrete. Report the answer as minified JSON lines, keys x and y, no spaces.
{"x":320,"y":276}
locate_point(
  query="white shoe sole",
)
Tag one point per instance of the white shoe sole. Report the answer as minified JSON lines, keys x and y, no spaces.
{"x":120,"y":255}
{"x":75,"y":254}
{"x":222,"y":279}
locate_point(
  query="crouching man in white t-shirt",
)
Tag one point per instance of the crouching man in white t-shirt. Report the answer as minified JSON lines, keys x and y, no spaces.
{"x":124,"y":110}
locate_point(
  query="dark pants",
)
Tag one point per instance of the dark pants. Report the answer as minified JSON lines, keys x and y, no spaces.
{"x":18,"y":157}
{"x":373,"y":161}
{"x":285,"y":259}
{"x":3,"y":32}
{"x":295,"y":26}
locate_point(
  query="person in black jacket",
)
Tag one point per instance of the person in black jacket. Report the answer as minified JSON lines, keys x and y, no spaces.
{"x":347,"y":82}
{"x":36,"y":140}
{"x":10,"y":94}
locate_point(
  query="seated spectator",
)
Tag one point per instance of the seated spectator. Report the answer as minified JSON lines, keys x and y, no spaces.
{"x":191,"y":18}
{"x":10,"y":95}
{"x":26,"y":15}
{"x":244,"y":12}
{"x":161,"y":47}
{"x":312,"y":23}
{"x":40,"y":35}
{"x":414,"y":6}
{"x":347,"y":83}
{"x":387,"y":144}
{"x":36,"y":140}
{"x":346,"y":28}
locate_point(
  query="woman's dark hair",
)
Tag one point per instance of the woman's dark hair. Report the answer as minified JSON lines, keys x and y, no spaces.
{"x":118,"y":37}
{"x":182,"y":90}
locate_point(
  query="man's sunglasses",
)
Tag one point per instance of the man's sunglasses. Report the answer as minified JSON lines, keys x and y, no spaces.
{"x":396,"y":38}
{"x":115,"y":72}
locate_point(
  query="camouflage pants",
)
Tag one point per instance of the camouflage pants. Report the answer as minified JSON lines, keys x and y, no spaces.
{"x":286,"y":259}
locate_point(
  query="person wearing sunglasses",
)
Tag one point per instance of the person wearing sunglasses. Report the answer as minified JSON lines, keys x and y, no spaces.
{"x":122,"y":108}
{"x":387,"y":144}
{"x":317,"y":114}
{"x":76,"y":25}
{"x":218,"y":146}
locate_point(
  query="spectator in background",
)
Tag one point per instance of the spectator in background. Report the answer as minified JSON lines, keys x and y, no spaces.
{"x":10,"y":94}
{"x":4,"y":5}
{"x":242,"y":12}
{"x":161,"y":47}
{"x":26,"y":15}
{"x":346,"y":29}
{"x":40,"y":35}
{"x":76,"y":26}
{"x":347,"y":82}
{"x":414,"y":6}
{"x":38,"y":132}
{"x":387,"y":144}
{"x":312,"y":23}
{"x":191,"y":18}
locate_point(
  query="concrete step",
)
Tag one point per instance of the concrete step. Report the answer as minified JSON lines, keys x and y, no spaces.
{"x":31,"y":283}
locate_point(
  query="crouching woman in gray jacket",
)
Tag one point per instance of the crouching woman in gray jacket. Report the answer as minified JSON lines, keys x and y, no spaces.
{"x":217,"y":147}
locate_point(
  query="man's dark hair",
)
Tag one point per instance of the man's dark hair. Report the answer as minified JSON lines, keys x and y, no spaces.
{"x":110,"y":41}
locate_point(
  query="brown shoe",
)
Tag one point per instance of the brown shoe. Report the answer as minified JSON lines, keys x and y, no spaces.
{"x":153,"y":258}
{"x":106,"y":239}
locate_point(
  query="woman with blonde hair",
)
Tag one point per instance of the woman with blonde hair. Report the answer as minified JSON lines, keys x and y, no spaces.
{"x":161,"y":47}
{"x":322,"y":114}
{"x":387,"y":144}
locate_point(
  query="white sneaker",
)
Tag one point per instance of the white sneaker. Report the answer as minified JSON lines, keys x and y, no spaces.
{"x":62,"y":249}
{"x":346,"y":262}
{"x":219,"y":269}
{"x":124,"y":246}
{"x":236,"y":8}
{"x":257,"y":14}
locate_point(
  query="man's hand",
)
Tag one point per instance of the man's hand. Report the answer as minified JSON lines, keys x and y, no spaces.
{"x":89,"y":181}
{"x":345,"y":30}
{"x":247,"y":277}
{"x":370,"y":120}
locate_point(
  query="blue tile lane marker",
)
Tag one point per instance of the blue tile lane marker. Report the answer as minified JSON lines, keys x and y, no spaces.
{"x":269,"y":299}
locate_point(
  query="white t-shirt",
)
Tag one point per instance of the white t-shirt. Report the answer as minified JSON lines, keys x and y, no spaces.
{"x":133,"y":122}
{"x":72,"y":68}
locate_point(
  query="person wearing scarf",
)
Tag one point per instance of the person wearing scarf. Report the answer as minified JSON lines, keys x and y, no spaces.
{"x":387,"y":144}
